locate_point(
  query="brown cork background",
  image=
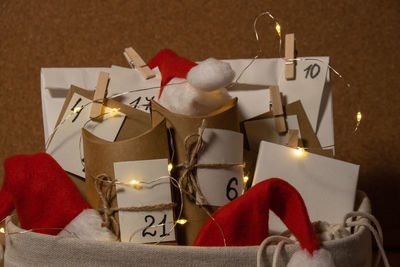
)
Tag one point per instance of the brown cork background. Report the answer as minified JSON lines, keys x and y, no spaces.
{"x":361,"y":37}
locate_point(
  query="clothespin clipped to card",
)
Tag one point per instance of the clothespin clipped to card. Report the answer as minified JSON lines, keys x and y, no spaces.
{"x":290,"y":54}
{"x":277,"y":109}
{"x":138,"y":63}
{"x":99,"y":94}
{"x":293,"y":138}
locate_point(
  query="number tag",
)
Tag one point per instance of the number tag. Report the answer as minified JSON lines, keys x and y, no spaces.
{"x":144,"y":226}
{"x":64,"y":147}
{"x":308,"y":87}
{"x":220,"y":186}
{"x":142,"y":90}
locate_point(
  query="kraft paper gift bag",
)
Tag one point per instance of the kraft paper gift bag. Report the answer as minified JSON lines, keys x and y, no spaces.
{"x":226,"y":117}
{"x":100,"y":156}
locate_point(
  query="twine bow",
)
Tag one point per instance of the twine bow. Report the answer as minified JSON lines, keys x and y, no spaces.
{"x":104,"y":185}
{"x":188,"y":179}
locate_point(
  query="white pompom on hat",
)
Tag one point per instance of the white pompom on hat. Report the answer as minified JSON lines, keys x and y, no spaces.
{"x":320,"y":258}
{"x":210,"y":74}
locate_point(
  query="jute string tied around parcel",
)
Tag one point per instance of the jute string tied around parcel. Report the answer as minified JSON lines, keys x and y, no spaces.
{"x":189,"y":180}
{"x":104,"y":185}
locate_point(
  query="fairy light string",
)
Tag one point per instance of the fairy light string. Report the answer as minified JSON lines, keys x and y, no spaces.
{"x":278,"y":30}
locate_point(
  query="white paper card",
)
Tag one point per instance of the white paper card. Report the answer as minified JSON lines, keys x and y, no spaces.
{"x":264,"y":130}
{"x":220,"y":186}
{"x":328,"y":186}
{"x":126,"y":79}
{"x":54,"y":86}
{"x":64,"y":147}
{"x":307,"y":87}
{"x":251,"y":103}
{"x":264,"y":71}
{"x":144,"y":226}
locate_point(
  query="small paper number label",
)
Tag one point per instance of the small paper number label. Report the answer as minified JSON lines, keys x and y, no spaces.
{"x":312,"y":71}
{"x":137,"y":102}
{"x":231,"y":192}
{"x":151,"y":220}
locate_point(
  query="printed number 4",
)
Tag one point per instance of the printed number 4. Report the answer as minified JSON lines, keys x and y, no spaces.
{"x":150,"y":218}
{"x":230,"y":189}
{"x":312,"y":70}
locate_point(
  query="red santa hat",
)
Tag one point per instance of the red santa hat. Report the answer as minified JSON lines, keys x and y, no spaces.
{"x":244,"y":221}
{"x":46,"y":200}
{"x":208,"y":75}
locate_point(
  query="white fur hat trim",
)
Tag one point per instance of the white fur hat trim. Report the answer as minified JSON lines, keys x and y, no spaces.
{"x":320,"y":258}
{"x":211,"y":74}
{"x":87,"y":226}
{"x":185,"y":99}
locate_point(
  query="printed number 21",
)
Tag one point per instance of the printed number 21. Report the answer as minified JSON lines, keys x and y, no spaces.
{"x":312,"y":70}
{"x":150,"y":219}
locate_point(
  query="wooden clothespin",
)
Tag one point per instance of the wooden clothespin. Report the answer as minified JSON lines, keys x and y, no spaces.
{"x":138,"y":63}
{"x":99,"y":95}
{"x":277,"y":109}
{"x":293,"y":138}
{"x":290,"y":70}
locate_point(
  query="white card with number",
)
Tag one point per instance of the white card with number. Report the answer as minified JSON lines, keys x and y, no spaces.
{"x":222,"y":185}
{"x":328,"y":186}
{"x":126,"y":79}
{"x":311,"y":86}
{"x":308,"y":87}
{"x":264,"y":130}
{"x":145,"y":226}
{"x":65,"y":148}
{"x":54,"y":87}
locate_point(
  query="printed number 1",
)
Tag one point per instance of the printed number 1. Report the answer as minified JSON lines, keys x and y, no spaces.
{"x":152,"y":220}
{"x":73,"y":108}
{"x":312,"y":70}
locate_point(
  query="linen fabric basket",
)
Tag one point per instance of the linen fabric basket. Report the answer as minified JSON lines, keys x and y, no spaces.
{"x":25,"y":248}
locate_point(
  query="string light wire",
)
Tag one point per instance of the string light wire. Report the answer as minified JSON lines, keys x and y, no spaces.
{"x":259,"y":52}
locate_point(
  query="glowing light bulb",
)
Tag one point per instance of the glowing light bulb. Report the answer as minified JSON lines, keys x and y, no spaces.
{"x":114,"y":111}
{"x":181,"y":221}
{"x":2,"y":230}
{"x":77,"y":109}
{"x":278,"y":28}
{"x":170,"y":167}
{"x":300,"y":151}
{"x":359,"y":116}
{"x":245,"y":179}
{"x":136,"y":184}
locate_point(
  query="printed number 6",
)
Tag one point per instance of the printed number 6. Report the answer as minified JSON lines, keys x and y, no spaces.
{"x":229,"y":189}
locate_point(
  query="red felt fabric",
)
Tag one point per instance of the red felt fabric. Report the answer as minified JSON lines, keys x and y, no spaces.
{"x":171,"y":66}
{"x":41,"y":192}
{"x":244,"y":221}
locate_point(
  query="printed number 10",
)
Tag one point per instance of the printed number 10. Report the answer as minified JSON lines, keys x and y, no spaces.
{"x":312,"y":71}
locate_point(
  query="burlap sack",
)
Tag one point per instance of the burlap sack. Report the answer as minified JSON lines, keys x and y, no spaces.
{"x":33,"y":249}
